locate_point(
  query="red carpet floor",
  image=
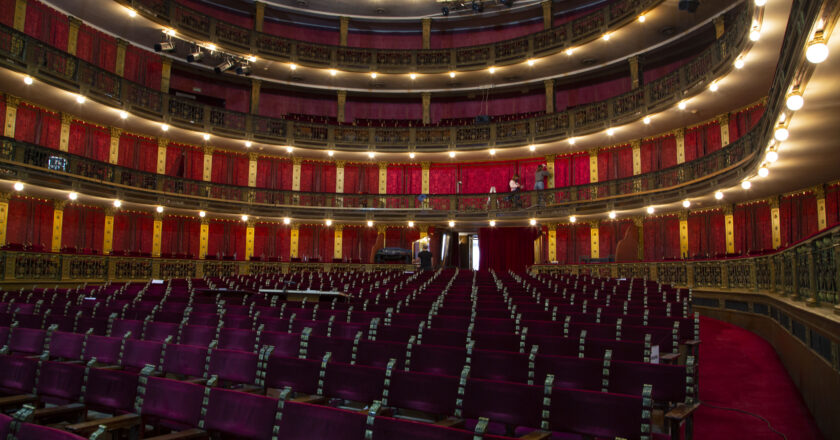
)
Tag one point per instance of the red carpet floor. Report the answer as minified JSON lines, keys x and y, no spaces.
{"x":740,"y":370}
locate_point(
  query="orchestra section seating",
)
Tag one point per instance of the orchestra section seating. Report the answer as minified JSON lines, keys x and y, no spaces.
{"x":431,"y":355}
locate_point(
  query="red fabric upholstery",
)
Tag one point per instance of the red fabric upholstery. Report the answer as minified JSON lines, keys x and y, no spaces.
{"x":503,"y":249}
{"x":37,"y":126}
{"x":138,"y":152}
{"x":30,"y":222}
{"x":83,"y":227}
{"x":90,"y":141}
{"x":180,"y":236}
{"x":133,"y":232}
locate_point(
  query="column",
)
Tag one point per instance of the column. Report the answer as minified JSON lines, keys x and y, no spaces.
{"x":639,"y":222}
{"x":424,"y":166}
{"x":256,"y":85}
{"x":424,"y":230}
{"x":775,"y":222}
{"x":427,"y":104}
{"x":157,"y":234}
{"x":108,"y":240}
{"x":119,"y":65}
{"x":549,"y":165}
{"x":73,"y":35}
{"x":252,"y":170}
{"x":259,"y":16}
{"x":203,"y":238}
{"x":383,"y":177}
{"x":341,"y":100}
{"x":114,"y":153}
{"x":339,"y":176}
{"x":337,"y":241}
{"x":719,"y":26}
{"x":426,"y":23}
{"x":634,"y":71}
{"x":637,"y":157}
{"x":165,"y":74}
{"x":679,"y":134}
{"x":593,"y":166}
{"x":296,"y":173}
{"x":552,"y":242}
{"x":4,"y":215}
{"x":723,"y":121}
{"x":549,"y":96}
{"x":161,"y":162}
{"x":20,"y":16}
{"x":249,"y":239}
{"x":64,"y":139}
{"x":594,"y":240}
{"x":822,"y":222}
{"x":729,"y":225}
{"x":343,"y":24}
{"x":293,"y":241}
{"x":58,"y":220}
{"x":11,"y":115}
{"x":546,"y":14}
{"x":684,"y":234}
{"x":207,"y":174}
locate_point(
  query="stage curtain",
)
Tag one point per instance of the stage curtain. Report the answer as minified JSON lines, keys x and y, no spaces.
{"x":659,"y":153}
{"x":83,"y":228}
{"x":797,"y":217}
{"x":401,"y":237}
{"x":661,"y":238}
{"x":184,"y":161}
{"x":138,"y":153}
{"x":706,"y":234}
{"x":403,"y":179}
{"x":832,"y":205}
{"x":356,"y":243}
{"x":609,"y":234}
{"x":361,"y":178}
{"x":230,"y":168}
{"x":30,"y":222}
{"x":226,"y":239}
{"x":97,"y":48}
{"x":503,"y":249}
{"x":89,"y":141}
{"x":702,"y":140}
{"x":37,"y":126}
{"x":615,"y":163}
{"x":7,"y":12}
{"x":319,"y":177}
{"x":143,"y":67}
{"x":180,"y":236}
{"x":272,"y":240}
{"x":274,"y":173}
{"x":46,"y":24}
{"x":752,"y":228}
{"x":743,"y":121}
{"x":480,"y":177}
{"x":133,"y":232}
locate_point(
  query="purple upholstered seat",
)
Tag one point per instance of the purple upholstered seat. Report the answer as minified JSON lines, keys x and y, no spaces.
{"x":378,"y":353}
{"x":159,"y":331}
{"x":106,"y":350}
{"x":172,"y":403}
{"x":354,"y":382}
{"x":341,"y":349}
{"x":111,"y":391}
{"x":239,"y":367}
{"x":140,"y":353}
{"x":5,"y":422}
{"x":390,"y":428}
{"x":299,"y":374}
{"x":198,"y":335}
{"x":569,"y":372}
{"x":60,"y":383}
{"x":433,"y":359}
{"x":65,"y":345}
{"x":186,"y":360}
{"x":668,"y":380}
{"x":302,"y":421}
{"x":423,"y":392}
{"x":29,"y":431}
{"x":598,"y":414}
{"x":122,"y":326}
{"x":18,"y":374}
{"x":285,"y":344}
{"x":27,"y":341}
{"x":240,"y":415}
{"x":513,"y":404}
{"x":237,"y":339}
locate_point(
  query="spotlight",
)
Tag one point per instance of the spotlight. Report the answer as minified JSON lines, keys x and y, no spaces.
{"x":570,"y":51}
{"x":164,"y":127}
{"x":252,"y":58}
{"x":533,"y":222}
{"x":289,"y":149}
{"x":411,"y":155}
{"x":772,"y":156}
{"x":164,"y":46}
{"x":159,"y":209}
{"x":794,"y":101}
{"x":606,"y":37}
{"x":492,"y":70}
{"x":80,"y":99}
{"x":206,"y":136}
{"x":123,"y":114}
{"x":371,"y":154}
{"x":223,"y":66}
{"x":373,"y":75}
{"x":686,"y":203}
{"x":202,"y":214}
{"x":492,"y":151}
{"x":73,"y":195}
{"x":531,"y":62}
{"x":333,"y":72}
{"x":243,"y":69}
{"x":612,"y":215}
{"x":410,"y":224}
{"x":713,"y":87}
{"x":132,"y":13}
{"x":328,"y":222}
{"x":719,"y":195}
{"x":572,"y":141}
{"x":211,"y":47}
{"x":681,"y":105}
{"x":532,"y":147}
{"x":610,"y":131}
{"x":739,"y":63}
{"x":286,"y":220}
{"x":642,"y":18}
{"x":452,"y":74}
{"x":650,"y":210}
{"x":817,"y":51}
{"x":244,"y":217}
{"x":781,"y":134}
{"x":27,"y":80}
{"x":451,"y":154}
{"x":117,"y":203}
{"x":763,"y":172}
{"x":292,"y":66}
{"x":689,"y":5}
{"x":451,"y":223}
{"x":195,"y":56}
{"x":330,"y":153}
{"x":572,"y":219}
{"x":412,"y":75}
{"x":646,"y":120}
{"x":248,"y":144}
{"x":746,"y":184}
{"x":370,"y":223}
{"x":18,"y":186}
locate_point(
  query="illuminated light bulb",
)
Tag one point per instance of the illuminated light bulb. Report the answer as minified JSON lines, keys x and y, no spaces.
{"x":713,"y":87}
{"x":27,"y":80}
{"x":650,"y":210}
{"x":370,"y":223}
{"x":570,"y":51}
{"x":123,"y":114}
{"x":248,"y":144}
{"x":18,"y":186}
{"x":606,"y":37}
{"x":760,"y":3}
{"x":642,"y":19}
{"x":739,"y":63}
{"x":373,"y":75}
{"x":610,"y":131}
{"x":686,"y":203}
{"x":492,"y":223}
{"x":411,"y":155}
{"x":763,"y":172}
{"x":817,"y":52}
{"x":681,"y":105}
{"x":611,"y":215}
{"x":451,"y":223}
{"x":292,"y":66}
{"x":159,"y":209}
{"x":794,"y":102}
{"x":202,"y":214}
{"x":719,"y":195}
{"x":252,"y":58}
{"x":412,"y":75}
{"x":746,"y":184}
{"x":452,"y":74}
{"x":781,"y":134}
{"x":170,"y":32}
{"x":117,"y":203}
{"x":290,"y":148}
{"x":410,"y":224}
{"x":451,"y":154}
{"x":492,"y":70}
{"x":572,"y":141}
{"x":572,"y":219}
{"x":132,"y":13}
{"x":533,"y":222}
{"x":782,"y":117}
{"x":646,"y":120}
{"x":532,"y":147}
{"x":73,"y":195}
{"x":206,"y":136}
{"x":211,"y":47}
{"x":164,"y":127}
{"x":244,"y":217}
{"x":80,"y":99}
{"x":287,"y":220}
{"x":371,"y":154}
{"x":492,"y":151}
{"x":755,"y":35}
{"x":330,"y":153}
{"x":772,"y":156}
{"x":531,"y":62}
{"x":333,"y":72}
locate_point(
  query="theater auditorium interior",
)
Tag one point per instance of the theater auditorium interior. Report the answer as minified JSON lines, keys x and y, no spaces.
{"x":419,"y":219}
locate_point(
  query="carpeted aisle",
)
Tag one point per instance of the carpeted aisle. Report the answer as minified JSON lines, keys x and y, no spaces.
{"x":740,"y":370}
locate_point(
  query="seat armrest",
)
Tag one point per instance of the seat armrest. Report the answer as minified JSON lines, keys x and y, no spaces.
{"x":682,"y":411}
{"x":692,"y":342}
{"x":124,"y":421}
{"x":450,"y":422}
{"x":669,"y":358}
{"x":17,"y":401}
{"x":76,"y":411}
{"x":536,"y":435}
{"x":253,"y":389}
{"x":315,"y":400}
{"x":186,"y":434}
{"x":196,"y":380}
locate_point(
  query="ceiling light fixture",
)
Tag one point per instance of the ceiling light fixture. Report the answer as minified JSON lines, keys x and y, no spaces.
{"x":746,"y":184}
{"x":244,"y":217}
{"x":292,"y":66}
{"x":610,"y":131}
{"x":370,"y":223}
{"x":73,"y":195}
{"x":117,"y":203}
{"x":27,"y":80}
{"x":164,"y":127}
{"x":452,"y":74}
{"x":686,"y":203}
{"x":248,"y":144}
{"x":642,"y":18}
{"x":533,"y":222}
{"x":781,"y":134}
{"x":763,"y":171}
{"x":412,"y":75}
{"x":570,"y":51}
{"x":572,"y":141}
{"x":719,"y":195}
{"x":410,"y":224}
{"x":286,"y":220}
{"x":333,"y":72}
{"x":492,"y":70}
{"x":289,"y":149}
{"x":817,"y":51}
{"x":411,"y":155}
{"x":206,"y":136}
{"x":531,"y":62}
{"x":739,"y":63}
{"x":330,"y":153}
{"x":772,"y":156}
{"x":606,"y":37}
{"x":18,"y":186}
{"x":532,"y":147}
{"x":682,"y":105}
{"x":451,"y":223}
{"x":646,"y":120}
{"x":492,"y":151}
{"x":80,"y":99}
{"x":202,"y":214}
{"x":371,"y":154}
{"x":612,"y":215}
{"x":572,"y":219}
{"x":123,"y":114}
{"x":373,"y":75}
{"x":794,"y":101}
{"x":492,"y":223}
{"x":650,"y":210}
{"x":451,"y":154}
{"x":713,"y":86}
{"x":159,"y":209}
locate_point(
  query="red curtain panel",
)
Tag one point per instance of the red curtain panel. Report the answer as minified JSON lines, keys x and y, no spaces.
{"x":180,"y":236}
{"x":661,"y":238}
{"x":315,"y":242}
{"x":832,"y":205}
{"x":609,"y":234}
{"x":404,"y":179}
{"x":797,"y":217}
{"x":230,"y":168}
{"x":274,"y":173}
{"x":279,"y":103}
{"x":659,"y":153}
{"x":573,"y":243}
{"x":46,"y":24}
{"x":481,"y":177}
{"x":356,"y":243}
{"x":83,"y":228}
{"x":380,"y":40}
{"x":381,"y":108}
{"x":319,"y":177}
{"x":272,"y":240}
{"x":226,"y":15}
{"x":226,"y":239}
{"x":143,"y":67}
{"x":7,"y":12}
{"x":133,"y":232}
{"x":303,"y":33}
{"x":702,"y":140}
{"x":743,"y":121}
{"x":615,"y":163}
{"x":30,"y":222}
{"x":90,"y":141}
{"x":445,"y":38}
{"x":361,"y":178}
{"x":138,"y":152}
{"x":401,"y":237}
{"x":653,"y":73}
{"x":184,"y":161}
{"x":706,"y":234}
{"x":503,"y":249}
{"x":232,"y":95}
{"x":573,"y":95}
{"x":37,"y":126}
{"x":97,"y":48}
{"x":752,"y":228}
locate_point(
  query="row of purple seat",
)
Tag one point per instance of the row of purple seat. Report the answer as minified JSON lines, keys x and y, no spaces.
{"x":29,"y":431}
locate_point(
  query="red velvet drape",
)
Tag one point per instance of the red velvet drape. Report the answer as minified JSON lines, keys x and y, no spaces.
{"x":274,"y":173}
{"x":319,"y":177}
{"x":743,"y":121}
{"x":138,"y":152}
{"x":361,"y":178}
{"x":658,"y":153}
{"x":272,"y":240}
{"x":832,"y":205}
{"x":184,"y":161}
{"x":90,"y":141}
{"x":226,"y":239}
{"x":7,"y":12}
{"x":234,"y":96}
{"x":481,"y":177}
{"x":404,"y":179}
{"x":47,"y":24}
{"x":615,"y":163}
{"x":97,"y":48}
{"x":229,"y":168}
{"x":797,"y":217}
{"x":143,"y":67}
{"x":752,"y":227}
{"x":573,"y":95}
{"x":503,"y":249}
{"x":279,"y":103}
{"x":315,"y":243}
{"x":37,"y":126}
{"x":133,"y":232}
{"x":572,"y":169}
{"x":356,"y":243}
{"x":401,"y":237}
{"x":83,"y":228}
{"x":180,"y":237}
{"x":573,"y":243}
{"x":706,"y":234}
{"x":702,"y":140}
{"x":609,"y":234}
{"x":302,"y":33}
{"x":30,"y":222}
{"x":661,"y":238}
{"x":223,"y":14}
{"x":446,"y":38}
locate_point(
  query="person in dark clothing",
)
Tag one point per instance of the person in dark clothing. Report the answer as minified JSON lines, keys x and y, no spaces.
{"x":425,"y":259}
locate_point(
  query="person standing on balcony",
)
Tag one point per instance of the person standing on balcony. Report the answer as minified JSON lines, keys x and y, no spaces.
{"x":515,"y":186}
{"x":539,"y":181}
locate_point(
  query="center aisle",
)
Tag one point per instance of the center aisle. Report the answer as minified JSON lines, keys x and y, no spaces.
{"x":739,"y":369}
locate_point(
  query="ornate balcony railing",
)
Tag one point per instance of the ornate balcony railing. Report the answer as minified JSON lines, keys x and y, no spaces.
{"x":22,"y":52}
{"x":575,"y":32}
